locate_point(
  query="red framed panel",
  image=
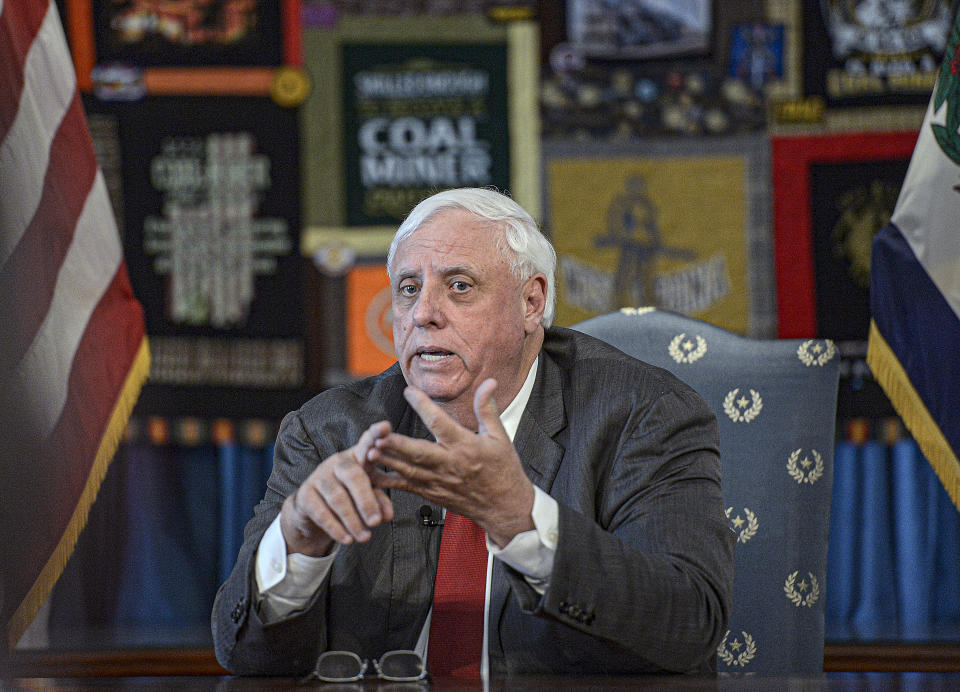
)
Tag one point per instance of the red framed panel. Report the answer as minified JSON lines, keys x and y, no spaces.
{"x":240,"y":81}
{"x":792,"y":160}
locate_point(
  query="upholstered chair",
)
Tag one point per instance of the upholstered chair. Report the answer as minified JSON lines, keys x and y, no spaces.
{"x":775,"y":401}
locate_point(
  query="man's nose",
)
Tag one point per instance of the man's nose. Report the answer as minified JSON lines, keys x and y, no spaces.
{"x":428,"y":310}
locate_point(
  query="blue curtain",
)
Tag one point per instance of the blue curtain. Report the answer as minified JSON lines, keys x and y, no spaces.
{"x":162,"y":536}
{"x":893,"y":571}
{"x":243,"y":479}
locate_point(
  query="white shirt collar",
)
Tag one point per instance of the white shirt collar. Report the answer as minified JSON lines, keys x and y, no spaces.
{"x":512,"y":413}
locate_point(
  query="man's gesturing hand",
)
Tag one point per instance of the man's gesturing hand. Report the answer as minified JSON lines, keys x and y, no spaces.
{"x":337,"y":502}
{"x":478,"y":475}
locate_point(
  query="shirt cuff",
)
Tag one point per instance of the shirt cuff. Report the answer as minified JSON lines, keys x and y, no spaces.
{"x":286,"y":582}
{"x":531,"y":553}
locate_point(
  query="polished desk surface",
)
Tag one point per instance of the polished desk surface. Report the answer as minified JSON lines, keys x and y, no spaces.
{"x":829,"y":681}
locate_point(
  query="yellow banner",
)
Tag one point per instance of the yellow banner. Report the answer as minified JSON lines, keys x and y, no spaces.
{"x":669,"y":232}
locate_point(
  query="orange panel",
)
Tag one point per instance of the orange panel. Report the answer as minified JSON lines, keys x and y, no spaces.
{"x":369,"y":320}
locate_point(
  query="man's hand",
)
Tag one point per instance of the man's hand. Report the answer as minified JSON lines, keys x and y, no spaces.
{"x":337,"y":502}
{"x":478,"y":475}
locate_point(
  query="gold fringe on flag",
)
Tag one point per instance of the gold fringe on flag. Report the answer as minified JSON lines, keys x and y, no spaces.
{"x":51,"y":571}
{"x":893,"y":378}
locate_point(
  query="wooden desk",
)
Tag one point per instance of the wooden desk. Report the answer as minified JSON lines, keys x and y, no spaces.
{"x":151,"y":662}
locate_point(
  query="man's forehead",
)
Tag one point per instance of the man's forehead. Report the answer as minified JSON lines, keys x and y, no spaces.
{"x":415,"y":260}
{"x":449,"y":244}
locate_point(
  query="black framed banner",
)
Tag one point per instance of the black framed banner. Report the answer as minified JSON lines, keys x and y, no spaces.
{"x":873,"y":53}
{"x":406,"y":106}
{"x":211,"y":231}
{"x":857,"y":66}
{"x":419,"y":118}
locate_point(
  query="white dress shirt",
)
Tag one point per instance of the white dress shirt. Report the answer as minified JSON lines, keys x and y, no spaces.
{"x":287,"y":582}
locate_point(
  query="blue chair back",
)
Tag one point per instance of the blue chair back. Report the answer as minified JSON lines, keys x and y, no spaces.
{"x":775,"y":401}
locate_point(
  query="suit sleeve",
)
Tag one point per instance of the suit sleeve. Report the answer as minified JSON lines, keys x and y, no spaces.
{"x":244,"y":644}
{"x":647,"y":566}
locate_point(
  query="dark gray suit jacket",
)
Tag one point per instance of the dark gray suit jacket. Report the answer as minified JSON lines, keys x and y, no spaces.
{"x":643,"y":572}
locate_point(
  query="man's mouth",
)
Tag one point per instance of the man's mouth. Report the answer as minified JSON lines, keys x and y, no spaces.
{"x":433,"y":355}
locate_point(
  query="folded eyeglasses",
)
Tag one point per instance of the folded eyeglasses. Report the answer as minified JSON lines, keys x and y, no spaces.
{"x":401,"y":665}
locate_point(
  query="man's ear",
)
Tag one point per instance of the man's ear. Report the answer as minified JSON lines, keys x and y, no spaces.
{"x":534,"y":291}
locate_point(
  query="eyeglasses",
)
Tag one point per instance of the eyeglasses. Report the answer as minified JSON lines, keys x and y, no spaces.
{"x":401,"y":665}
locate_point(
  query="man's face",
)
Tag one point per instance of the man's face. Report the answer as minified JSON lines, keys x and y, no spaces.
{"x":459,"y":314}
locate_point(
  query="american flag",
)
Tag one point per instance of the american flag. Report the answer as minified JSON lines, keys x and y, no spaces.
{"x":73,"y":350}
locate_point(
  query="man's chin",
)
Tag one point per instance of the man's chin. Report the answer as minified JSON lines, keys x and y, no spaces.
{"x":438,"y":396}
{"x":439,"y":393}
{"x":438,"y":386}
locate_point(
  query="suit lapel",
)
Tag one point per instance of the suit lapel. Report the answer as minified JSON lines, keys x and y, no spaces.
{"x":540,"y":455}
{"x":542,"y":419}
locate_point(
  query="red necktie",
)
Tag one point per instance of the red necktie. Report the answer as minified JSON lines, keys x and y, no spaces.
{"x":456,"y":627}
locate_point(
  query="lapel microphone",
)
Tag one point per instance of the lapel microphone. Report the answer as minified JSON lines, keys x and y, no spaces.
{"x":426,"y":517}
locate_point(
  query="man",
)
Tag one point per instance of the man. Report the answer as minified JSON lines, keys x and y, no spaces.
{"x":598,"y":486}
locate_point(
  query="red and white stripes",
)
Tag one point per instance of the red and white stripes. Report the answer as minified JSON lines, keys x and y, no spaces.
{"x":73,"y":352}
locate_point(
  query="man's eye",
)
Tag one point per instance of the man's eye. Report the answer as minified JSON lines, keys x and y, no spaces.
{"x":460,"y":286}
{"x":408,"y":289}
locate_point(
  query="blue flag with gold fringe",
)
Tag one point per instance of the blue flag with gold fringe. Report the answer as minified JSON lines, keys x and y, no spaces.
{"x":914,"y":348}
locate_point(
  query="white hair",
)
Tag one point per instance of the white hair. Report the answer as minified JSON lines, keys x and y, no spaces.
{"x":526,"y":249}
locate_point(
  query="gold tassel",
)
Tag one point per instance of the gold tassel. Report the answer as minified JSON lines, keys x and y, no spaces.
{"x":51,"y":571}
{"x":892,"y":377}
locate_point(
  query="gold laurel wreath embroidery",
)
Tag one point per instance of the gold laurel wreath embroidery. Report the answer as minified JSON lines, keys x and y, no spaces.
{"x":745,"y":416}
{"x":744,"y":657}
{"x":808,"y":359}
{"x":636,"y":311}
{"x":797,"y":473}
{"x":752,"y":525}
{"x":795,"y":597}
{"x":678,"y":355}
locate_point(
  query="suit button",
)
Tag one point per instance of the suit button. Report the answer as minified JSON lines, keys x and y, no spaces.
{"x":237,"y":613}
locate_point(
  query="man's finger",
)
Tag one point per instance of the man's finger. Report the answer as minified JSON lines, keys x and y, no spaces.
{"x":369,"y":437}
{"x":356,"y":483}
{"x":386,"y":506}
{"x":486,"y":410}
{"x":340,"y":501}
{"x":443,"y":427}
{"x":414,"y":459}
{"x":400,"y":452}
{"x":311,"y":515}
{"x":388,"y":479}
